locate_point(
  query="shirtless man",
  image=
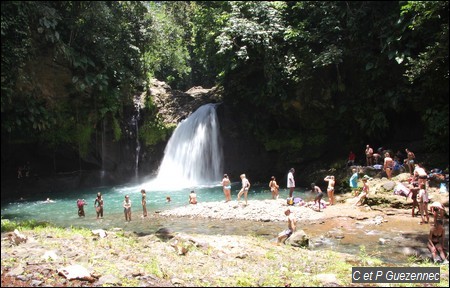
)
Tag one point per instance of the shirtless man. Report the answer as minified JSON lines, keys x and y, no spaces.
{"x":410,"y":160}
{"x":388,"y":165}
{"x":369,"y":155}
{"x":274,"y":187}
{"x":436,"y":241}
{"x":192,"y":198}
{"x":282,"y":236}
{"x":330,"y":188}
{"x":319,"y":195}
{"x":414,"y":189}
{"x":226,"y":183}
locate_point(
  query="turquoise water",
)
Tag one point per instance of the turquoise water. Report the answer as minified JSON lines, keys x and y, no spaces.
{"x":63,"y":210}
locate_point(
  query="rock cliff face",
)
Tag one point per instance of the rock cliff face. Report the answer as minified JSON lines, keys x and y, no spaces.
{"x":241,"y":153}
{"x":111,"y":162}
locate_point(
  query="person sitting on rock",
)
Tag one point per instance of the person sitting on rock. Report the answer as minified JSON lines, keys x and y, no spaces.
{"x":364,"y":192}
{"x":436,"y":242}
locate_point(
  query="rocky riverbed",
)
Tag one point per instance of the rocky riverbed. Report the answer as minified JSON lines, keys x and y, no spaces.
{"x":79,"y":257}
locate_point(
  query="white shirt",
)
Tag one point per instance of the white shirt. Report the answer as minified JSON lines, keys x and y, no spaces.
{"x":290,"y":180}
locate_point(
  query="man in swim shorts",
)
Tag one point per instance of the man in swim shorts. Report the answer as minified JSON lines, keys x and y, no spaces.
{"x":319,"y":195}
{"x":282,"y":236}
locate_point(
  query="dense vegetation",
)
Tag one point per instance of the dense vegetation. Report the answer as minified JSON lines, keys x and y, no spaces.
{"x":306,"y":76}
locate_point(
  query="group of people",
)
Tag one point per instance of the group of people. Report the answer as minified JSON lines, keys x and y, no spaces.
{"x":386,"y":160}
{"x":24,"y":171}
{"x":273,"y":185}
{"x":275,"y":188}
{"x":99,"y":203}
{"x":226,"y":184}
{"x":417,"y":189}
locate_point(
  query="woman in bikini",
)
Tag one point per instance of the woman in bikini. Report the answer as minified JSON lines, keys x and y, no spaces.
{"x":226,"y":183}
{"x":423,"y":203}
{"x":98,"y":204}
{"x":436,"y":241}
{"x":388,"y":165}
{"x":330,"y":188}
{"x":364,"y":193}
{"x":127,"y":208}
{"x":244,"y":189}
{"x":144,"y":203}
{"x":274,"y":187}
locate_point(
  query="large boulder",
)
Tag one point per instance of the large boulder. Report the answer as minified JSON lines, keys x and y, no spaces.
{"x":298,"y":239}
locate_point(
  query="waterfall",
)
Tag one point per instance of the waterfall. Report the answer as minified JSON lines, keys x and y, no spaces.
{"x":138,"y":145}
{"x":102,"y":172}
{"x":193,"y":155}
{"x":138,"y":104}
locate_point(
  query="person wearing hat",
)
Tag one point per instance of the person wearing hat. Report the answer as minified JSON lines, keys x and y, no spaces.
{"x":438,"y":211}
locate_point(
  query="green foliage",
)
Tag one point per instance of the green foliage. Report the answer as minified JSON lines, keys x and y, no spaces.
{"x":152,"y":133}
{"x":366,"y":259}
{"x":167,"y":55}
{"x":436,"y":137}
{"x":83,"y":138}
{"x":8,"y":225}
{"x":310,"y":74}
{"x":116,"y":128}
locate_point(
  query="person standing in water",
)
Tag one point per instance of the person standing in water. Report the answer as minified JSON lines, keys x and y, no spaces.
{"x":192,"y":197}
{"x":127,"y":208}
{"x":98,"y":204}
{"x":226,"y":183}
{"x":274,"y":187}
{"x":144,"y":203}
{"x":80,"y":205}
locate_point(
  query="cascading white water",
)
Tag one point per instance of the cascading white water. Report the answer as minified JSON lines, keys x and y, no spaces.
{"x":193,"y":155}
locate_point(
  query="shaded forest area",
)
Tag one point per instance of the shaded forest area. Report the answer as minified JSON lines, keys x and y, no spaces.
{"x":307,"y":80}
